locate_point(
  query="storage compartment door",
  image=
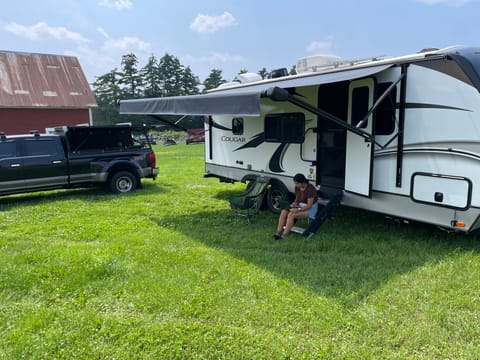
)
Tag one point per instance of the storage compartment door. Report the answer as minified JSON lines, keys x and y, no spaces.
{"x":441,"y":190}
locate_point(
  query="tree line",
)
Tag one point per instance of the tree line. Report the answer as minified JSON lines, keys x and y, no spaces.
{"x":158,"y":78}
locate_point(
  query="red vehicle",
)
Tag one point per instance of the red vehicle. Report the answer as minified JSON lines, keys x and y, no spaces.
{"x":195,"y":136}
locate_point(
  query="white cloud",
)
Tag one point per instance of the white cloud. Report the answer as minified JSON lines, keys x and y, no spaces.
{"x":116,"y":4}
{"x":319,"y":46}
{"x":103,"y":32}
{"x":210,"y":24}
{"x":42,"y":30}
{"x":456,"y":3}
{"x":127,"y":43}
{"x":215,"y":58}
{"x":93,"y":63}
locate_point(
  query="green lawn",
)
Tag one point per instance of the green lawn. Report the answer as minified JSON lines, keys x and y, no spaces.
{"x":167,"y":272}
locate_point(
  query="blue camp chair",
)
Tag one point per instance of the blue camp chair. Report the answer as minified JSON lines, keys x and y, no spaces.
{"x":249,"y":203}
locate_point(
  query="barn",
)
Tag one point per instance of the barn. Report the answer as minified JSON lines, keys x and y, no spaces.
{"x":40,"y":91}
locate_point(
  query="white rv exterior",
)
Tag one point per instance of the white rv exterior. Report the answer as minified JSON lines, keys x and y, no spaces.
{"x":398,"y":136}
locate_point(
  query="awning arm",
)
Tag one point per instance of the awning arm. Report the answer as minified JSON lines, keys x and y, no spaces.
{"x":279,"y":94}
{"x":174,"y":124}
{"x":379,"y":101}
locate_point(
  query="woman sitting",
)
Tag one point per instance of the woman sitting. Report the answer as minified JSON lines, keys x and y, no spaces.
{"x":305,"y":206}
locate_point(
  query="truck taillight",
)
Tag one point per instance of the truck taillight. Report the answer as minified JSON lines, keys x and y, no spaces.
{"x":152,"y":159}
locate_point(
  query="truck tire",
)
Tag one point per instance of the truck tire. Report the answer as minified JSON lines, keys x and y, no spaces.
{"x":275,"y":193}
{"x":123,"y":182}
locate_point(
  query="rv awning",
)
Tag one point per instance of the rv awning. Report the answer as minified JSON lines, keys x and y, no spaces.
{"x":239,"y":101}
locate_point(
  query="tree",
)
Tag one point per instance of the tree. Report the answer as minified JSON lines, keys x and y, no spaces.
{"x":190,"y":82}
{"x":106,"y":87}
{"x":293,"y":70}
{"x":214,"y":80}
{"x":150,"y":75}
{"x":130,"y":76}
{"x":263,"y":73}
{"x":170,"y":74}
{"x":107,"y":91}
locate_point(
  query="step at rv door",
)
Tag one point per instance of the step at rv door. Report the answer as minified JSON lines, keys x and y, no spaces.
{"x":358,"y":163}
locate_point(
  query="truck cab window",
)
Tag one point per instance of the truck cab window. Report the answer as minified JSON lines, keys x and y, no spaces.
{"x":8,"y":149}
{"x":285,"y":128}
{"x":41,"y":147}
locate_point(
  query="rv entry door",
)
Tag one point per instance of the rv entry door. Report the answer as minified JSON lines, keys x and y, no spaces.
{"x":358,"y":162}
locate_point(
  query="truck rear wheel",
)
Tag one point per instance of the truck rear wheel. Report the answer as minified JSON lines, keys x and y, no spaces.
{"x":123,"y":182}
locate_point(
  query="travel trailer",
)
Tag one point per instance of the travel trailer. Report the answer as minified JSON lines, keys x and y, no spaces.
{"x":398,"y":136}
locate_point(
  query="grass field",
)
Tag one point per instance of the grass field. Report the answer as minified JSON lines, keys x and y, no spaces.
{"x":167,"y":272}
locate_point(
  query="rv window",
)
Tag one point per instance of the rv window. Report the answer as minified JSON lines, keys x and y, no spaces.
{"x":385,"y":116}
{"x":285,"y":128}
{"x":359,"y":105}
{"x":237,"y":126}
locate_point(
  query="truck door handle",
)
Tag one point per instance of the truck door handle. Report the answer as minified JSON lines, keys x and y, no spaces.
{"x":57,"y":161}
{"x":15,"y":165}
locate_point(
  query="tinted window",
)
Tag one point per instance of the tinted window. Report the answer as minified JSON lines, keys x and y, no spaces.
{"x":7,"y":149}
{"x":40,"y":147}
{"x":285,"y":128}
{"x":237,"y":126}
{"x":360,"y":105}
{"x":385,"y":113}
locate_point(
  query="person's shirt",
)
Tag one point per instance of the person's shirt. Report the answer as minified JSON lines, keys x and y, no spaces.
{"x":303,"y":196}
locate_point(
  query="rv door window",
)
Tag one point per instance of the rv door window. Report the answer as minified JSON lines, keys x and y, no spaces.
{"x":237,"y":126}
{"x":360,"y":105}
{"x":285,"y":128}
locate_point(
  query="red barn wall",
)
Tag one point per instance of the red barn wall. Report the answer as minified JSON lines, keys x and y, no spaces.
{"x":21,"y":121}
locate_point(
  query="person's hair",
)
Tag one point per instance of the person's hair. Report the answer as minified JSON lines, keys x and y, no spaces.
{"x":300,"y":178}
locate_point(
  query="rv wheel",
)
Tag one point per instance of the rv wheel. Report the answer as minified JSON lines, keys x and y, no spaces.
{"x":276,"y":193}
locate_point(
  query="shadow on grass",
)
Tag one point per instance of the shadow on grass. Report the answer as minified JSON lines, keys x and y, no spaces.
{"x":91,"y":195}
{"x":347,"y":259}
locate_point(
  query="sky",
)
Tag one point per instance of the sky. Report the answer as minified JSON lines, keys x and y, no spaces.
{"x":232,"y":35}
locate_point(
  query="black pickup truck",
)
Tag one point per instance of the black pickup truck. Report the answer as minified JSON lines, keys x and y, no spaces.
{"x":80,"y":156}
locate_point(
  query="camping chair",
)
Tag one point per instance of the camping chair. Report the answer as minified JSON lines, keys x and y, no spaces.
{"x":249,"y":203}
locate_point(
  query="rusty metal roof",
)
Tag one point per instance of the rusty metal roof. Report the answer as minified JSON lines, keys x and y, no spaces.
{"x":41,"y":80}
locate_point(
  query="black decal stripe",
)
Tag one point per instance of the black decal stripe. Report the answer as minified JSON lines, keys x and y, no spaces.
{"x":218,"y":126}
{"x":447,"y":67}
{"x":433,"y":150}
{"x":275,"y":164}
{"x":412,"y":105}
{"x":257,"y":140}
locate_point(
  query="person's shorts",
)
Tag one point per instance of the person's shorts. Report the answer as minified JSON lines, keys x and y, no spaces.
{"x":312,"y":212}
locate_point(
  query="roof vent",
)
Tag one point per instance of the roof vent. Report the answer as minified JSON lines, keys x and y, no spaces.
{"x":316,"y":63}
{"x":248,"y":77}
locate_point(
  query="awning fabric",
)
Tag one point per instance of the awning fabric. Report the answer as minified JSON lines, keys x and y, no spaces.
{"x":239,"y":100}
